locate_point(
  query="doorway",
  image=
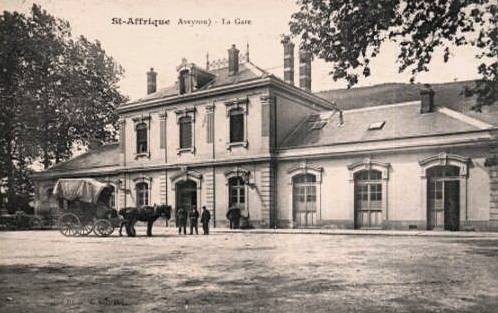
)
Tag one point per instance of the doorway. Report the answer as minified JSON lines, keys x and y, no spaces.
{"x":368,"y":199}
{"x":186,"y":194}
{"x":443,"y":207}
{"x":304,"y":198}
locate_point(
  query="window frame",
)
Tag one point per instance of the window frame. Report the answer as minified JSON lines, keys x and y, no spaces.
{"x":140,"y":128}
{"x":180,"y":114}
{"x":236,"y":113}
{"x":237,"y":184}
{"x":142,"y":120}
{"x":381,"y":171}
{"x":241,"y":106}
{"x":140,"y":192}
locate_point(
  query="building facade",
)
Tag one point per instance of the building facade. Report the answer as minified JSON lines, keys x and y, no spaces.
{"x":237,"y":136}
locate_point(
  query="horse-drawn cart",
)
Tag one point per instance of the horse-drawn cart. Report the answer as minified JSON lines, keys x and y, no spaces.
{"x":86,"y":209}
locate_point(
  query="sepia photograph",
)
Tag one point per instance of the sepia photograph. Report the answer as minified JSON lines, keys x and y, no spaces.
{"x":249,"y":156}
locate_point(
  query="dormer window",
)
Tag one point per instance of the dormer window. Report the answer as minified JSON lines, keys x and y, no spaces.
{"x":184,"y":82}
{"x":192,"y":77}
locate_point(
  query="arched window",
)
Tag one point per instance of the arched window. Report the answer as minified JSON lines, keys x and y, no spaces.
{"x":185,"y":132}
{"x":142,"y":194}
{"x":141,"y":131}
{"x":236,"y":125}
{"x":443,"y":171}
{"x":237,"y":192}
{"x":304,"y":197}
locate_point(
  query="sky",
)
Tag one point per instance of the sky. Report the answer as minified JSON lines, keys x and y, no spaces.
{"x":139,"y":47}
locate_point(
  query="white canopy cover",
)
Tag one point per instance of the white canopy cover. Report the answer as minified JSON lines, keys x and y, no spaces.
{"x":82,"y":189}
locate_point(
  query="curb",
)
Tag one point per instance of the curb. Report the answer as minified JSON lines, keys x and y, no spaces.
{"x":440,"y":234}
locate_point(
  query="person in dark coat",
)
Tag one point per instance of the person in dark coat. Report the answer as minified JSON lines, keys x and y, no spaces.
{"x":205,"y":217}
{"x":233,"y":215}
{"x":181,"y":220}
{"x":194,"y":220}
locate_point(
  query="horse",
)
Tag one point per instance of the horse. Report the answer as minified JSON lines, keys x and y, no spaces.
{"x":147,"y":214}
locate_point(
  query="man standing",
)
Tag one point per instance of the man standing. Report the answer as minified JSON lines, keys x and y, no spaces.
{"x":181,"y":220}
{"x":205,"y":217}
{"x":194,"y":217}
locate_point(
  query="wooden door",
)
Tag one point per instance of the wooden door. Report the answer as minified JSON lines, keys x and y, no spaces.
{"x":443,"y":204}
{"x":451,"y":205}
{"x":435,"y":212}
{"x":304,"y":198}
{"x":368,"y":200}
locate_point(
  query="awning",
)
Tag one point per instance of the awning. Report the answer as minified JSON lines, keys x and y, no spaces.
{"x":83,"y":189}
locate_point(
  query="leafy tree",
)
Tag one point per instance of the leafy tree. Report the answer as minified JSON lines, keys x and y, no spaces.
{"x":349,"y":33}
{"x":56,"y":92}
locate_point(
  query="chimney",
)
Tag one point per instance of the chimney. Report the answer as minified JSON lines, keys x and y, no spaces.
{"x":233,"y":61}
{"x":151,"y":81}
{"x":426,"y":99}
{"x":305,"y":70}
{"x":288,"y":60}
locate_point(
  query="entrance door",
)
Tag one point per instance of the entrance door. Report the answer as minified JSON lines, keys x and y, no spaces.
{"x":304,"y":195}
{"x":443,"y":207}
{"x":186,"y":195}
{"x":451,"y":205}
{"x":368,"y":199}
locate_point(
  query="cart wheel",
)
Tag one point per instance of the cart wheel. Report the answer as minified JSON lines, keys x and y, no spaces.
{"x":103,"y":228}
{"x":35,"y":223}
{"x":86,"y":228}
{"x":69,"y":224}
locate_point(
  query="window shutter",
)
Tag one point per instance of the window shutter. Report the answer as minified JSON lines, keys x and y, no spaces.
{"x":185,"y":133}
{"x":162,"y":131}
{"x":210,"y":127}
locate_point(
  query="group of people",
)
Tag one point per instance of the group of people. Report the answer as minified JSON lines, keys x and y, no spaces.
{"x":182,"y":216}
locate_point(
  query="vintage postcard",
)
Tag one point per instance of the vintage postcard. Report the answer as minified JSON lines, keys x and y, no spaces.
{"x":248,"y":156}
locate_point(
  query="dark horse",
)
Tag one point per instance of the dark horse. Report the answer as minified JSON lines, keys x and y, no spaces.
{"x":147,"y":214}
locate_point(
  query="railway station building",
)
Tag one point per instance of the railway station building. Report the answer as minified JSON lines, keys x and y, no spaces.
{"x":225,"y":135}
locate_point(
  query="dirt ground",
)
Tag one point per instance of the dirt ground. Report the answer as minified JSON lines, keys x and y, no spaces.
{"x":42,"y":271}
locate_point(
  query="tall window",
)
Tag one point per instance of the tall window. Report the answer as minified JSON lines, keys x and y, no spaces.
{"x":185,"y":132}
{"x":368,"y":199}
{"x":369,"y":186}
{"x":304,"y":195}
{"x":142,"y":194}
{"x":236,"y":189}
{"x":141,"y":138}
{"x":236,"y":125}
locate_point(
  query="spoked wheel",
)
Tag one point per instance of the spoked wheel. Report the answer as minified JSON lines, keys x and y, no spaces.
{"x":103,"y":228}
{"x":69,"y":225}
{"x":86,"y":228}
